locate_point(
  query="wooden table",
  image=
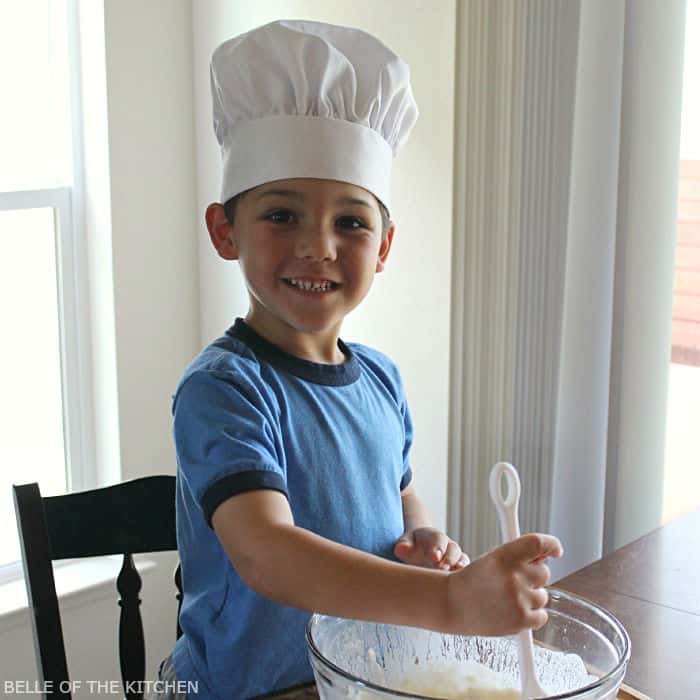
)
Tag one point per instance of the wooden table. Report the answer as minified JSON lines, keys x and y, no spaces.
{"x":652,"y":585}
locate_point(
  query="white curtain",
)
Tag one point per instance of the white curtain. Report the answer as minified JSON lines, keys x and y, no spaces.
{"x":567,"y":127}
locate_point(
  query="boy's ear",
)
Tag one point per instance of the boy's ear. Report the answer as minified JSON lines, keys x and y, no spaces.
{"x":221,"y":232}
{"x":384,"y":248}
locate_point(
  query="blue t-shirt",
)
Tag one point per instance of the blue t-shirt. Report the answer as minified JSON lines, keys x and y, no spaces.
{"x":333,"y":438}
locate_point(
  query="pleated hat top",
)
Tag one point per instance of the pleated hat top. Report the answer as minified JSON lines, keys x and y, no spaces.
{"x":296,"y":99}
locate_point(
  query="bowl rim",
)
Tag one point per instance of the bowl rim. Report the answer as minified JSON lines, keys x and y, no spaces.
{"x":553,"y":592}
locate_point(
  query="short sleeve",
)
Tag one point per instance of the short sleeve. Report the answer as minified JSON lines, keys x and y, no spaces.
{"x":225,"y":439}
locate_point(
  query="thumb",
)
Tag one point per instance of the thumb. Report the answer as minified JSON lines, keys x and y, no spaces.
{"x":534,"y":547}
{"x":405,"y":547}
{"x":406,"y":540}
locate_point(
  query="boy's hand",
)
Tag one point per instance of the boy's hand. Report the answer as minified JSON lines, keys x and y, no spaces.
{"x":427,"y":546}
{"x":503,"y":591}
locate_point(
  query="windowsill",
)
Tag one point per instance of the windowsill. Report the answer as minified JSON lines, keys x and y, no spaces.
{"x":78,"y":582}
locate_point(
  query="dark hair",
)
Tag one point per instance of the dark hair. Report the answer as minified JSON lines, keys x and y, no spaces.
{"x":231,"y":204}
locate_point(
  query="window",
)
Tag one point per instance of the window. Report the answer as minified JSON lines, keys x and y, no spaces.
{"x":686,"y":293}
{"x":682,"y":476}
{"x":44,"y":390}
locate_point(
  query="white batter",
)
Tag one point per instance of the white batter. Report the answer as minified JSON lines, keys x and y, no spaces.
{"x":465,"y":680}
{"x":453,"y":679}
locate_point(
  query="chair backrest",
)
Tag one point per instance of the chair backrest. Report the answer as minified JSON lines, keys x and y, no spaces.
{"x":133,"y":517}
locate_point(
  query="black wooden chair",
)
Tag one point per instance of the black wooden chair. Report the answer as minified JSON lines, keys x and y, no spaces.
{"x":133,"y":517}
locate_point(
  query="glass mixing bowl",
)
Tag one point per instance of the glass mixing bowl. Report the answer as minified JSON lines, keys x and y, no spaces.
{"x":364,"y":660}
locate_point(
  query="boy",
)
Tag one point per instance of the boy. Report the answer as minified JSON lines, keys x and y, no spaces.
{"x":294,"y":485}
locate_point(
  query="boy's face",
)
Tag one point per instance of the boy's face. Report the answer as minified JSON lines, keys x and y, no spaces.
{"x":289,"y":235}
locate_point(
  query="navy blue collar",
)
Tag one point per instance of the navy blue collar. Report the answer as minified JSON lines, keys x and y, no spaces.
{"x":316,"y":372}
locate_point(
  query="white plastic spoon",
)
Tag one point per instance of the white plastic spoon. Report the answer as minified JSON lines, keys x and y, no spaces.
{"x":507,"y":508}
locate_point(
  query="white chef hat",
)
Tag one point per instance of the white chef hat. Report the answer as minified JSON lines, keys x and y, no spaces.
{"x":306,"y":99}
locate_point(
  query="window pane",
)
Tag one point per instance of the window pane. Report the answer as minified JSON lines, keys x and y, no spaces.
{"x":682,"y":477}
{"x":30,"y":370}
{"x":35,"y":115}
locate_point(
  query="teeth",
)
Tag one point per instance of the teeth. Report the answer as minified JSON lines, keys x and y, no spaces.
{"x":311,"y":286}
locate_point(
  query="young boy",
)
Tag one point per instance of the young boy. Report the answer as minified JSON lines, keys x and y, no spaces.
{"x":294,"y":486}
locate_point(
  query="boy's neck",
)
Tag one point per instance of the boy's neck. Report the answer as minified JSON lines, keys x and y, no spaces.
{"x":321,"y":347}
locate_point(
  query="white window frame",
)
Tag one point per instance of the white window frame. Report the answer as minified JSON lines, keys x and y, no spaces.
{"x":72,"y":294}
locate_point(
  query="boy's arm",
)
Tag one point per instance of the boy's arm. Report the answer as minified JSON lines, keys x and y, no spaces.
{"x":415,"y":514}
{"x":296,"y":567}
{"x":299,"y":568}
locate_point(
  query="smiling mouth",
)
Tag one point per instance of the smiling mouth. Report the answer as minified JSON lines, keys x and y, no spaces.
{"x":311,"y":285}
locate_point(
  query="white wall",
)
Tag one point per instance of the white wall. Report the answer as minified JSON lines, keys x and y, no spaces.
{"x":407,"y":312}
{"x":149,"y":78}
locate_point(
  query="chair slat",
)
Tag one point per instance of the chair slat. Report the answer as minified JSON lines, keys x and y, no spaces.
{"x":50,"y":651}
{"x":178,"y":596}
{"x":135,"y":516}
{"x":132,"y":650}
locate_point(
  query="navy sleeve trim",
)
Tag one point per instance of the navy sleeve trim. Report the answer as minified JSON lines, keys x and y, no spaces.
{"x":240,"y":482}
{"x":406,"y":479}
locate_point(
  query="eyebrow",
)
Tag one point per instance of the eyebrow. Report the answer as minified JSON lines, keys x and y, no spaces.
{"x":299,"y":196}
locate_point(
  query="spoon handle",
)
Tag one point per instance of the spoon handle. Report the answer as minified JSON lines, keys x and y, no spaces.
{"x":507,"y":508}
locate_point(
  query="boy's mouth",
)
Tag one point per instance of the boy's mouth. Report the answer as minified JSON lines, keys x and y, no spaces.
{"x":309,"y":285}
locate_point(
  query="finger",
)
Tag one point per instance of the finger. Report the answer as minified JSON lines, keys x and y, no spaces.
{"x":546,"y":555}
{"x":538,"y":575}
{"x":433,"y":543}
{"x":533,"y":547}
{"x":405,"y":541}
{"x":404,"y":549}
{"x":461,"y":562}
{"x":438,"y":546}
{"x":538,"y":619}
{"x":452,"y":555}
{"x":539,"y":597}
{"x":434,"y":554}
{"x":532,"y":603}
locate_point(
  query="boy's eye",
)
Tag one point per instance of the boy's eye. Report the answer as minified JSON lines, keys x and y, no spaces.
{"x":280,"y":216}
{"x":351,"y":222}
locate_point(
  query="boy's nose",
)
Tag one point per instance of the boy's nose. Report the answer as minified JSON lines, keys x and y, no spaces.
{"x":315,"y":244}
